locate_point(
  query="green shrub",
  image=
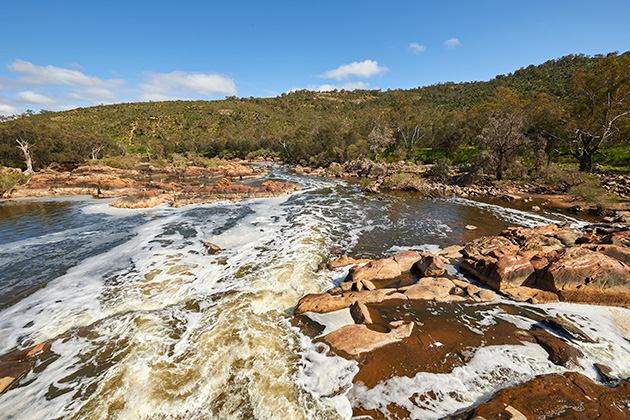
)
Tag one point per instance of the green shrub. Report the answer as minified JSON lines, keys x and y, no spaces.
{"x":10,"y":180}
{"x":404,"y":181}
{"x":562,"y":179}
{"x":593,"y":194}
{"x":442,"y":167}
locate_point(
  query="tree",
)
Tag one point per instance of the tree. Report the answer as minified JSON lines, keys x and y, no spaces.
{"x":379,"y":139}
{"x":601,"y":102}
{"x":25,"y":147}
{"x":503,"y":138}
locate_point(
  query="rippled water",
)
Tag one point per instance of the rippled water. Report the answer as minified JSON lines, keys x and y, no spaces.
{"x":149,"y":326}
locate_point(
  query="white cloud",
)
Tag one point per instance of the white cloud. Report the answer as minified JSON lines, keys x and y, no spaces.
{"x":30,"y":74}
{"x":95,"y":95}
{"x":34,"y":98}
{"x":8,"y":109}
{"x":182,"y":85}
{"x":364,"y":69}
{"x":452,"y":43}
{"x":417,"y":48}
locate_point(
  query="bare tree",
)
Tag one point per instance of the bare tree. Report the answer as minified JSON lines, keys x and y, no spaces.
{"x":503,"y":137}
{"x":411,"y":136}
{"x":96,"y":150}
{"x":380,"y":139}
{"x":25,"y":147}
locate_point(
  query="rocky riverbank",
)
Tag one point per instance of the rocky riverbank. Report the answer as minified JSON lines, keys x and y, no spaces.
{"x":151,"y":186}
{"x":406,"y":176}
{"x":409,"y":311}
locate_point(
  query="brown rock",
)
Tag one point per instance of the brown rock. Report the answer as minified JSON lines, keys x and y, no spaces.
{"x":530,"y":294}
{"x":406,"y":260}
{"x":325,"y":302}
{"x":430,"y":265}
{"x":621,"y":238}
{"x":566,"y":327}
{"x":560,"y":352}
{"x":580,"y":275}
{"x":359,"y":338}
{"x":604,"y":373}
{"x":511,"y":271}
{"x":429,"y":288}
{"x":568,"y":396}
{"x":11,"y":372}
{"x":344,"y":261}
{"x":620,"y":253}
{"x":484,"y":245}
{"x":452,"y":252}
{"x":382,"y":269}
{"x":360,"y":313}
{"x":212,"y":248}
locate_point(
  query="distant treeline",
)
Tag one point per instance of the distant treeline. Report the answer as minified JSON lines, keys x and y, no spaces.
{"x":573,"y":106}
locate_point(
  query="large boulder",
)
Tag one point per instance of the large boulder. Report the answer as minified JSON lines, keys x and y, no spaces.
{"x":355,"y":339}
{"x":430,"y":265}
{"x":581,"y":275}
{"x":484,"y":245}
{"x":430,"y":288}
{"x":406,"y":260}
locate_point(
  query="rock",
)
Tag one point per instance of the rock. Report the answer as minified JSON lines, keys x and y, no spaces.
{"x":560,"y":352}
{"x":212,"y":248}
{"x":11,"y":372}
{"x":471,"y":227}
{"x":452,"y":252}
{"x":537,"y":239}
{"x":359,"y":338}
{"x":529,"y":294}
{"x":344,"y":261}
{"x":382,"y":269}
{"x":429,"y":288}
{"x":574,"y":209}
{"x":484,"y":245}
{"x":566,"y":327}
{"x":360,"y":313}
{"x":567,"y":237}
{"x":580,"y":275}
{"x":604,"y":373}
{"x":568,"y":396}
{"x":430,"y":265}
{"x":16,"y":364}
{"x":367,"y":284}
{"x":406,"y":260}
{"x":509,"y":271}
{"x":325,"y":302}
{"x":618,"y":238}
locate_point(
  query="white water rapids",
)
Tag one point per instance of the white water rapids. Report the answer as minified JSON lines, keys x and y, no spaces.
{"x":147,"y":325}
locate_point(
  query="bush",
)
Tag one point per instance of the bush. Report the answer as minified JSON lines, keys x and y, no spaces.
{"x":404,"y":181}
{"x":556,"y":177}
{"x":10,"y":180}
{"x":593,"y":194}
{"x":442,"y":168}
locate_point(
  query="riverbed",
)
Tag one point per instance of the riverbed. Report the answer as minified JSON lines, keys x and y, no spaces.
{"x":147,"y":325}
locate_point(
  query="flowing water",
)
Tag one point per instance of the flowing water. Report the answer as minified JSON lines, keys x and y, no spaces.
{"x":147,"y":325}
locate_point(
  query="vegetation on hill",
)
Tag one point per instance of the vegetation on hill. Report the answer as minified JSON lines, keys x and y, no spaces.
{"x":556,"y":109}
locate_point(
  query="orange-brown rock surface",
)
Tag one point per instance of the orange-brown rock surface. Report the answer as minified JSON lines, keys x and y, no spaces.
{"x":568,"y":396}
{"x":16,"y":364}
{"x":546,"y":262}
{"x":144,"y":188}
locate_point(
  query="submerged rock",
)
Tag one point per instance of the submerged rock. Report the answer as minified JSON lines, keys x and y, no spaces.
{"x":16,"y":364}
{"x":571,"y":395}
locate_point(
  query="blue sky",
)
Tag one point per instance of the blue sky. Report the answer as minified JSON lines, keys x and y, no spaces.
{"x":64,"y":54}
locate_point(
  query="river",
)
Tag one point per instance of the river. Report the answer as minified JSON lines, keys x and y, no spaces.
{"x":149,"y":326}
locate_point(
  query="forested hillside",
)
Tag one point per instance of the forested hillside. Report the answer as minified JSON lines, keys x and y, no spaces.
{"x":540,"y":103}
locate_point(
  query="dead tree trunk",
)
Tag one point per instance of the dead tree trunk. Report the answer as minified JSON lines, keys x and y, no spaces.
{"x":25,"y":147}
